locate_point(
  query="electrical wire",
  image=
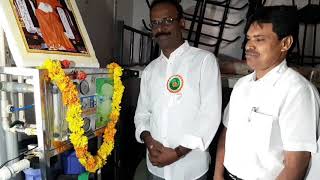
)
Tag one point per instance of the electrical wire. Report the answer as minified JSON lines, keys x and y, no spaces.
{"x":20,"y":155}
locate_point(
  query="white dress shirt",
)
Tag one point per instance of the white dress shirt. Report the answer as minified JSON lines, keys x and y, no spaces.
{"x":189,"y":117}
{"x":265,"y":117}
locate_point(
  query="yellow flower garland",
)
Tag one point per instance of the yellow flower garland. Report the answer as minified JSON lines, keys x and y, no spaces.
{"x":71,"y":99}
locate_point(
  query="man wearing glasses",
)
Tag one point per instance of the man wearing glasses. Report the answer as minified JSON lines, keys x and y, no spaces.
{"x":179,"y":106}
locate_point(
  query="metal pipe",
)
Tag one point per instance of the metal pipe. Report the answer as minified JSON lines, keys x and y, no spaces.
{"x":14,"y":87}
{"x":121,"y":38}
{"x":215,"y":37}
{"x":208,"y":20}
{"x":148,"y":3}
{"x":21,"y":101}
{"x":224,"y":19}
{"x":131,"y":29}
{"x":200,"y":22}
{"x":304,"y":42}
{"x":131,"y":48}
{"x":314,"y":45}
{"x":141,"y":49}
{"x":151,"y":50}
{"x":195,"y":14}
{"x":30,"y":131}
{"x":145,"y":25}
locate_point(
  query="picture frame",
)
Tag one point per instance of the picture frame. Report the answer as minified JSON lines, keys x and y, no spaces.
{"x":37,"y":30}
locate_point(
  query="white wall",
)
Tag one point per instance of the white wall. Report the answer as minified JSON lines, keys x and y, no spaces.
{"x":140,"y":11}
{"x":125,"y":11}
{"x":97,"y":16}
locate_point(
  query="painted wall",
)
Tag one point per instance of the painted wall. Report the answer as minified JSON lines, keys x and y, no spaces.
{"x":125,"y":11}
{"x":98,"y":19}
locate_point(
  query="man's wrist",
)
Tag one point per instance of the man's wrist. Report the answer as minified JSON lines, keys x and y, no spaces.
{"x":145,"y":135}
{"x":181,"y":151}
{"x":178,"y":152}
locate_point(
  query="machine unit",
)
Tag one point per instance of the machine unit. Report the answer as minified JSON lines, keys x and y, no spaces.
{"x":48,"y":123}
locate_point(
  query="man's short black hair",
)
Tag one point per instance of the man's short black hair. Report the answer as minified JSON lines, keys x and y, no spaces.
{"x":284,"y":20}
{"x":174,"y":3}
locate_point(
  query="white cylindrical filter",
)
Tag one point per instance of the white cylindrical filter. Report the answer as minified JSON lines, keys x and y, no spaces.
{"x":21,"y":101}
{"x":56,"y":114}
{"x":16,"y":87}
{"x":60,"y":131}
{"x":12,"y":145}
{"x":8,"y":172}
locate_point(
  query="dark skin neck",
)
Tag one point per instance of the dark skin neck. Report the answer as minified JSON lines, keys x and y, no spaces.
{"x":168,"y":51}
{"x":260,"y":74}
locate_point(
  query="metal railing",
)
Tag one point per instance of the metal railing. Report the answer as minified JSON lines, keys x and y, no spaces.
{"x":135,"y":46}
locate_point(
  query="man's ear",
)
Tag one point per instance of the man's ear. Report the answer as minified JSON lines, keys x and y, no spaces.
{"x":182,"y":23}
{"x":286,"y":43}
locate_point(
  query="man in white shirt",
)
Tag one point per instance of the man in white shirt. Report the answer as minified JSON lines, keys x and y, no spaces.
{"x":179,"y":106}
{"x":273,"y":114}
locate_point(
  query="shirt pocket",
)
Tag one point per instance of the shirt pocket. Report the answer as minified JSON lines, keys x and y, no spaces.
{"x":261,"y":128}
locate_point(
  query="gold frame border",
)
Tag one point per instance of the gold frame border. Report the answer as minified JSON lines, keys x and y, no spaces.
{"x":13,"y":7}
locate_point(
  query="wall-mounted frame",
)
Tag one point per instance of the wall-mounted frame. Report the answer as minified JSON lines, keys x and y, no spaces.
{"x":40,"y":29}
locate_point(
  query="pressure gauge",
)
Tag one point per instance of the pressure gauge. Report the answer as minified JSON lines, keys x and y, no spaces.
{"x":84,"y":87}
{"x":86,"y":124}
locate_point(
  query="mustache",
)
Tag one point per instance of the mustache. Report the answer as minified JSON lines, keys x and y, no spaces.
{"x":162,"y":34}
{"x":252,"y":52}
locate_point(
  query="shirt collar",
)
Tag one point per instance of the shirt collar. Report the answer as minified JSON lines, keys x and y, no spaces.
{"x":181,"y":49}
{"x":273,"y":75}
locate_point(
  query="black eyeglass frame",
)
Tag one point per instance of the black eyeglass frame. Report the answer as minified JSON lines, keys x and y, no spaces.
{"x":167,"y":21}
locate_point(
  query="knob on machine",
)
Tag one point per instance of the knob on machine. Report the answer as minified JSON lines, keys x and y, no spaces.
{"x":84,"y":87}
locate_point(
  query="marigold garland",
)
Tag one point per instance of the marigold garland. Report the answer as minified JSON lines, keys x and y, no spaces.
{"x":71,"y":99}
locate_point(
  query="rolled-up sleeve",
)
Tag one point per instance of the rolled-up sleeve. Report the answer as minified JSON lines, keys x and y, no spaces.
{"x":142,"y":114}
{"x":209,"y":116}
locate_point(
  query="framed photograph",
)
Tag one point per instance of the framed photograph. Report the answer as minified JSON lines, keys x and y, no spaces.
{"x":40,"y":29}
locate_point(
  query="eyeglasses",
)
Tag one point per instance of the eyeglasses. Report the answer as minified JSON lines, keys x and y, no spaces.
{"x":163,"y":22}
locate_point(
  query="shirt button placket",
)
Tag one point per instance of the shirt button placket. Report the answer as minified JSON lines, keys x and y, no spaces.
{"x":168,"y":94}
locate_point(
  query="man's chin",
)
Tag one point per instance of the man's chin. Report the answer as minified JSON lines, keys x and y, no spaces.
{"x":164,"y":44}
{"x":251,"y":63}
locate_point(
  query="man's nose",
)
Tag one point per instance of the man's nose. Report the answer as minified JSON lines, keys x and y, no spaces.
{"x":249,"y":45}
{"x":158,"y":28}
